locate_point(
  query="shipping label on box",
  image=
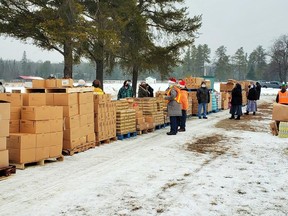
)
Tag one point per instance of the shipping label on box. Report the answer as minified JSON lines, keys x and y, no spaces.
{"x":64,"y":83}
{"x":35,"y":113}
{"x":30,"y":126}
{"x":3,"y":143}
{"x":4,"y":158}
{"x":34,"y":99}
{"x":65,"y":99}
{"x":21,"y":141}
{"x":43,"y":140}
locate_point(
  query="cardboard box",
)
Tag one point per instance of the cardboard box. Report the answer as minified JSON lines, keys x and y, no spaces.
{"x":35,"y":112}
{"x":15,"y":113}
{"x":65,"y":99}
{"x":55,"y":151}
{"x":30,"y":126}
{"x":22,"y":155}
{"x":4,"y":110}
{"x":90,"y":118}
{"x":56,"y":139}
{"x":71,"y":144}
{"x":38,"y":83}
{"x":85,"y":97}
{"x":279,"y":112}
{"x":90,"y":138}
{"x":149,"y":119}
{"x":42,"y":153}
{"x":50,"y":99}
{"x":83,"y":120}
{"x":71,"y":110}
{"x":34,"y":99}
{"x":89,"y":129}
{"x":50,"y":83}
{"x":56,"y":112}
{"x":21,"y":141}
{"x":56,"y":125}
{"x":16,"y":99}
{"x":86,"y":108}
{"x":64,"y":83}
{"x":72,"y":134}
{"x":3,"y":143}
{"x":4,"y":158}
{"x":14,"y":126}
{"x":72,"y":122}
{"x":274,"y":129}
{"x":4,"y":125}
{"x":43,"y":140}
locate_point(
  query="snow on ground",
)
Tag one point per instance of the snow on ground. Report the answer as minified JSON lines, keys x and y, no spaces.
{"x":217,"y":167}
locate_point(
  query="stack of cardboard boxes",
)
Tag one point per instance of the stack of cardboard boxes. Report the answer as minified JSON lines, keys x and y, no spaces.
{"x":4,"y":133}
{"x":105,"y":117}
{"x":125,"y":118}
{"x":41,"y":131}
{"x":78,"y":114}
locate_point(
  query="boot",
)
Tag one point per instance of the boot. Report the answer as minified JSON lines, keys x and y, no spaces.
{"x":254,"y":113}
{"x":247,"y":113}
{"x":238,"y":117}
{"x":232,"y":117}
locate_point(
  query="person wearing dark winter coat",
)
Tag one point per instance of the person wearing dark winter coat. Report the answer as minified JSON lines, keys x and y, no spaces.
{"x":236,"y":102}
{"x":150,"y":90}
{"x":258,"y":89}
{"x":252,"y":97}
{"x":142,"y":90}
{"x":125,"y":91}
{"x":203,"y":97}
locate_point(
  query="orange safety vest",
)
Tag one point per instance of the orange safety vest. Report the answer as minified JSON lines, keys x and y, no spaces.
{"x":178,"y":97}
{"x":283,"y":97}
{"x":184,"y":99}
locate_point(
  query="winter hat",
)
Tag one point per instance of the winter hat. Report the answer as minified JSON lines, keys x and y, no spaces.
{"x":182,"y":84}
{"x":172,"y":80}
{"x":283,"y":84}
{"x":81,"y":82}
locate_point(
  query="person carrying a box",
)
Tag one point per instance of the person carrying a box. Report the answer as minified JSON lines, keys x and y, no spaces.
{"x":203,"y":97}
{"x":173,"y":106}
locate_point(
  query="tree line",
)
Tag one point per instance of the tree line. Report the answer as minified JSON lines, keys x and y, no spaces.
{"x":260,"y":64}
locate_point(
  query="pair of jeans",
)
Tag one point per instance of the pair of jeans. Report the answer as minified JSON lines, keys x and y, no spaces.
{"x":200,"y":107}
{"x":182,"y":119}
{"x":173,"y":124}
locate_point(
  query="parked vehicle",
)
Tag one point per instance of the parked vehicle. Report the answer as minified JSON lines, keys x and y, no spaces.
{"x":270,"y":84}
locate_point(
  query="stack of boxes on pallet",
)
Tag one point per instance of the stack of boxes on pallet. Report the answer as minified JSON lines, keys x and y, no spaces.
{"x":105,"y":118}
{"x":152,"y":110}
{"x":4,"y":133}
{"x":78,"y":114}
{"x":160,"y":95}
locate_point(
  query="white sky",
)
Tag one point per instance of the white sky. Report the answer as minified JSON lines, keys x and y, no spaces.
{"x":232,"y":23}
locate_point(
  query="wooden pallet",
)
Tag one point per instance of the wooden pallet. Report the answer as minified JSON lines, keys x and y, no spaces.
{"x":7,"y":171}
{"x":22,"y":166}
{"x":139,"y":132}
{"x":126,"y":136}
{"x":60,"y":90}
{"x":78,"y":149}
{"x":107,"y":141}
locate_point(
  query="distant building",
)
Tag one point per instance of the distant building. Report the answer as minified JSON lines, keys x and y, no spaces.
{"x":150,"y":80}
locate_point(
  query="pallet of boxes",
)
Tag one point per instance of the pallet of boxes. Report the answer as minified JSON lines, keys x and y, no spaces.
{"x":160,"y":95}
{"x":105,"y":119}
{"x":279,"y":114}
{"x":5,"y":168}
{"x":225,"y":90}
{"x":125,"y":119}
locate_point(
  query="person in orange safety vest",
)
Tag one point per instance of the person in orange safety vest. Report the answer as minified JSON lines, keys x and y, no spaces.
{"x":184,"y":105}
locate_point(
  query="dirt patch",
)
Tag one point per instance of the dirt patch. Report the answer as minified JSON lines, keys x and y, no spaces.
{"x":169,"y":185}
{"x":209,"y":144}
{"x":254,"y":123}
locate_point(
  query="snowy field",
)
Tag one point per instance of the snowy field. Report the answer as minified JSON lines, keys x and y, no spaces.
{"x":217,"y":167}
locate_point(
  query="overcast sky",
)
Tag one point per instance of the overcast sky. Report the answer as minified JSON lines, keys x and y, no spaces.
{"x":232,"y":23}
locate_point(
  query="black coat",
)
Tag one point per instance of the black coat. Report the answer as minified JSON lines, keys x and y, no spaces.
{"x":252,"y":94}
{"x":258,"y":90}
{"x":203,"y":95}
{"x":236,"y":95}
